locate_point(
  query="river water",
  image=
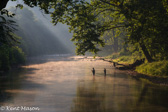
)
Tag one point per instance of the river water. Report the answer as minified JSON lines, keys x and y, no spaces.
{"x":59,"y":83}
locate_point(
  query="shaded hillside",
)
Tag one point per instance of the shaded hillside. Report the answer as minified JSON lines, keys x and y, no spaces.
{"x":36,"y":38}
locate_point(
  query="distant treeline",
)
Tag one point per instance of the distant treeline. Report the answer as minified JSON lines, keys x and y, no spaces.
{"x":24,"y":36}
{"x":10,"y":56}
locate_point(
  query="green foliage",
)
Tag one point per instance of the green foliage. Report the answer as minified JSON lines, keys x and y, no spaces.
{"x":113,"y":56}
{"x":10,"y":56}
{"x":4,"y":58}
{"x":143,"y":21}
{"x":155,"y":68}
{"x":17,"y":56}
{"x":7,"y":27}
{"x":125,"y":59}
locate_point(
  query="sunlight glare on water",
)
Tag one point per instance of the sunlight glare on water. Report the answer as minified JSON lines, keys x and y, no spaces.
{"x":65,"y":84}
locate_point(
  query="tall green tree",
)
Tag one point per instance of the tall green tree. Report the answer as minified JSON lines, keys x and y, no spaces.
{"x":7,"y":27}
{"x":144,"y":22}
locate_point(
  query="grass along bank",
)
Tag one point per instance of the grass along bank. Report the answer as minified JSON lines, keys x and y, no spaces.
{"x":155,"y":72}
{"x":156,"y":68}
{"x":121,"y":59}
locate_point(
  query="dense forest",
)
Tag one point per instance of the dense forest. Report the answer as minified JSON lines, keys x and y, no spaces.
{"x":136,"y":29}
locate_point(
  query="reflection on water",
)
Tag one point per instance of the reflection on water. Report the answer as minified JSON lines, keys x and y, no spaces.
{"x":119,"y":95}
{"x":64,"y":84}
{"x":89,"y":97}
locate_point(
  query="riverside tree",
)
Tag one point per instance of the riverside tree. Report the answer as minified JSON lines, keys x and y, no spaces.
{"x":143,"y":21}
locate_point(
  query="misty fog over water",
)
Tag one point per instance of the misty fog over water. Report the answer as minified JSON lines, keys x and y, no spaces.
{"x":52,"y":79}
{"x":61,"y":83}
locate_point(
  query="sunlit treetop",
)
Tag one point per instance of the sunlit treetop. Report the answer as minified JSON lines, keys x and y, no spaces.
{"x":142,"y":20}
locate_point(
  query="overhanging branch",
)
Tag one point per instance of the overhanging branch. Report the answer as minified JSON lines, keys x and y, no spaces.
{"x":108,"y":3}
{"x":106,"y":29}
{"x":104,"y":11}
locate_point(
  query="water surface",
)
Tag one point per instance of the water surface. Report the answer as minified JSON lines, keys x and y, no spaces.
{"x":59,"y":83}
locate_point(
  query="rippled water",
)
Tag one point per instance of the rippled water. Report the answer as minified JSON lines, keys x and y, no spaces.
{"x":60,"y":83}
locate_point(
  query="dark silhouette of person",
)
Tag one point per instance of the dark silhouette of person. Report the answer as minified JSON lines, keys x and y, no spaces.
{"x":93,"y":71}
{"x":104,"y":72}
{"x":114,"y":64}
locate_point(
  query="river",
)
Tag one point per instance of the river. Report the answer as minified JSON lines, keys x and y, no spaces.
{"x":60,"y":83}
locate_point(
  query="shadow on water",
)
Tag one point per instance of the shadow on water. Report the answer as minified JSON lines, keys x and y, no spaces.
{"x":153,"y":95}
{"x":88,"y":98}
{"x":61,"y":86}
{"x":119,"y":93}
{"x":14,"y":82}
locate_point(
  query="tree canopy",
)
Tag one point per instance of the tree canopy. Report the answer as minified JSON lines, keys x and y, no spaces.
{"x":144,"y":22}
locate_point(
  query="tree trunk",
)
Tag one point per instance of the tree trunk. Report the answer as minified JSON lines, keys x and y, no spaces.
{"x":146,"y":53}
{"x":3,"y":4}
